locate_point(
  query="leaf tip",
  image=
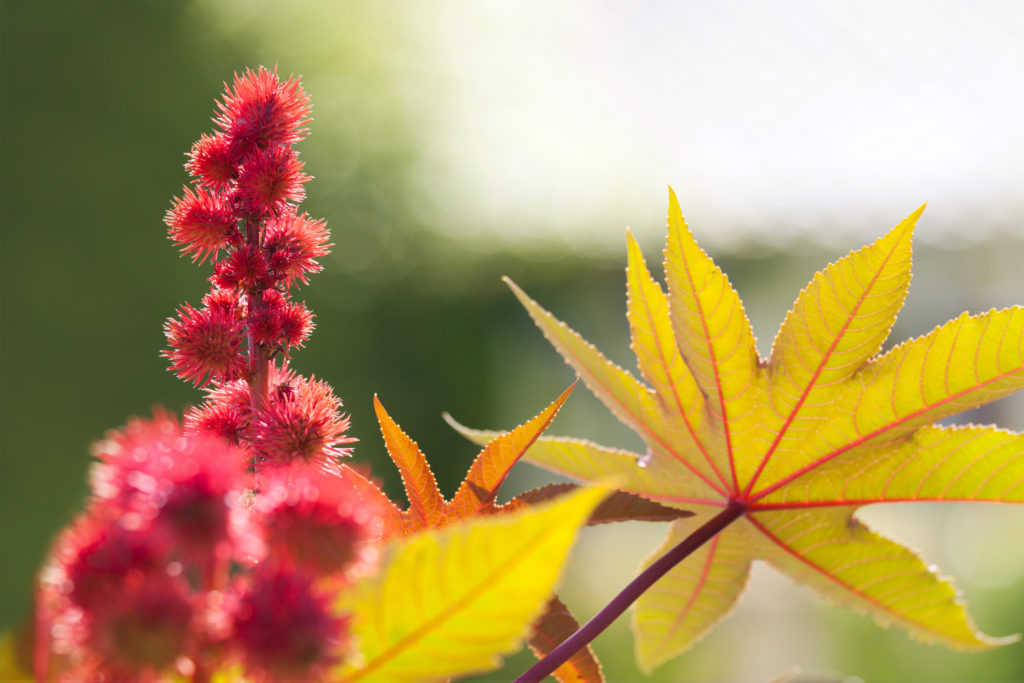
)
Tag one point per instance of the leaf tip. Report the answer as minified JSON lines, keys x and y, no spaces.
{"x":631,"y":243}
{"x":516,"y":289}
{"x":915,"y":214}
{"x":378,"y":408}
{"x":988,"y":642}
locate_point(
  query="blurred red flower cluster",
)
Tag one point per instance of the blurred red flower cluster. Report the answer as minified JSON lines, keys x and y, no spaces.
{"x":176,"y":566}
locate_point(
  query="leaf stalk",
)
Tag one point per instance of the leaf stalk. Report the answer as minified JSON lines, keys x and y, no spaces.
{"x":633,"y":590}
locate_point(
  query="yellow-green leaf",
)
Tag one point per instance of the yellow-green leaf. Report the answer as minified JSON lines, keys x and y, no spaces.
{"x":453,"y":601}
{"x":476,"y":497}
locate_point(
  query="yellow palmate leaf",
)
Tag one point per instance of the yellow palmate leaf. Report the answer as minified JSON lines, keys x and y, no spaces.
{"x":452,"y":601}
{"x":786,"y":450}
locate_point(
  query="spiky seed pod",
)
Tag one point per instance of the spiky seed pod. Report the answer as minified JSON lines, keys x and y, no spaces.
{"x":185,"y":493}
{"x":92,"y":557}
{"x":313,"y":519}
{"x":270,"y":179}
{"x":202,"y":223}
{"x":293,"y":243}
{"x":285,"y":627}
{"x":259,"y":110}
{"x":245,"y":267}
{"x":205,"y":344}
{"x":140,"y":634}
{"x":213,"y":162}
{"x":305,"y":423}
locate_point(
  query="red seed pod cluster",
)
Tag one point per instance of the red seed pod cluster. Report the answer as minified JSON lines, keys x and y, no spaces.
{"x":241,"y":214}
{"x":221,"y":546}
{"x":175,"y":567}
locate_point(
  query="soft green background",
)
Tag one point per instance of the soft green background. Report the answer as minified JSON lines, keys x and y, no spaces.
{"x":100,"y":102}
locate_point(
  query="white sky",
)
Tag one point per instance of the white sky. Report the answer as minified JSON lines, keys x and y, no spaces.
{"x":806,"y":116}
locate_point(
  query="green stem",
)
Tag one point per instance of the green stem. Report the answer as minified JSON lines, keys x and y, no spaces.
{"x":628,"y":595}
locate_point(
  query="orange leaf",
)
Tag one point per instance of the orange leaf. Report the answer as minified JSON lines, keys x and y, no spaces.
{"x":488,"y":471}
{"x":426,"y":505}
{"x":555,"y":625}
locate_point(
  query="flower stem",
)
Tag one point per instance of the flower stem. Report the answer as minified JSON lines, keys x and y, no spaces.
{"x":628,"y":595}
{"x":259,"y":361}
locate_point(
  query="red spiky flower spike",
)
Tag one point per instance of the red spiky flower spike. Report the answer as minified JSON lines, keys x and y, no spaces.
{"x":185,"y":563}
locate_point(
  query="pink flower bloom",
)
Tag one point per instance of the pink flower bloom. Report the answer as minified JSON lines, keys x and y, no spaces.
{"x":294,"y":243}
{"x":259,"y":111}
{"x":202,"y":223}
{"x":206,"y":344}
{"x":270,"y":179}
{"x":314,"y":518}
{"x":285,"y":628}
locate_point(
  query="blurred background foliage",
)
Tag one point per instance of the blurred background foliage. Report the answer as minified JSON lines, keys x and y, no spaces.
{"x":455,"y":142}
